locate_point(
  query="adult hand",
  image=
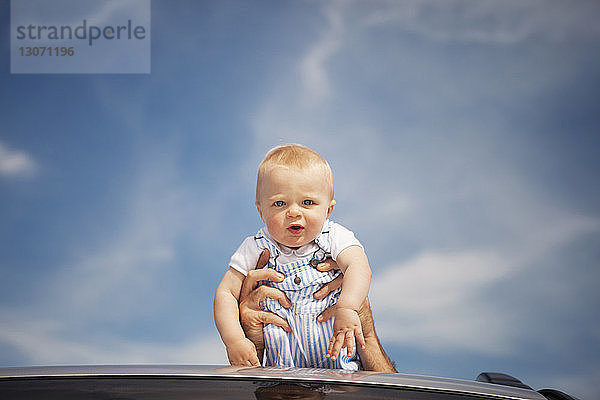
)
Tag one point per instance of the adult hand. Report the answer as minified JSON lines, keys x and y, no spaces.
{"x":252,"y":317}
{"x":328,"y":265}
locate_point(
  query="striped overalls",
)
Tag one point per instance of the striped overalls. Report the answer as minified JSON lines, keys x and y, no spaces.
{"x":306,"y":345}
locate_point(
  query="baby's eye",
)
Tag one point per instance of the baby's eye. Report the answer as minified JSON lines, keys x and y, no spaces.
{"x":308,"y":202}
{"x":279,"y":203}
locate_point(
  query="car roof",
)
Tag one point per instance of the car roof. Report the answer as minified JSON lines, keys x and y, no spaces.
{"x":280,"y":375}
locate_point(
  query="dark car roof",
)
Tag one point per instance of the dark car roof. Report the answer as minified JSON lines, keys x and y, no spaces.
{"x":313,"y":378}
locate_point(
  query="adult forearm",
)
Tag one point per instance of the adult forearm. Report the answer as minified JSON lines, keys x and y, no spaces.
{"x":373,"y":357}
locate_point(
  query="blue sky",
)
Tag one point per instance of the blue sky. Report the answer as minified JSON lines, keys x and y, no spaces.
{"x":463,"y":136}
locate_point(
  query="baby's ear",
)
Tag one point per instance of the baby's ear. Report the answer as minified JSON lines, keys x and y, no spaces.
{"x":330,"y":208}
{"x":257,"y":204}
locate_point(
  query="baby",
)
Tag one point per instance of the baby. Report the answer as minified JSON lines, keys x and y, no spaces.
{"x":294,"y":197}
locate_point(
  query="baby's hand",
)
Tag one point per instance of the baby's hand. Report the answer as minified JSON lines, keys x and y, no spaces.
{"x":243,"y":353}
{"x":345,"y":327}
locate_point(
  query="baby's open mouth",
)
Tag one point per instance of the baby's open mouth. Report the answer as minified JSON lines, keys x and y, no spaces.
{"x":295,"y":228}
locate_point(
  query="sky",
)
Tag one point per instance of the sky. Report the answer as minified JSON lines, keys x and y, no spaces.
{"x":463,"y":137}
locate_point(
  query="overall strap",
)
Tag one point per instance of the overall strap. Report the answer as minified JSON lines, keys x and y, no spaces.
{"x":324,"y":245}
{"x":263,"y":242}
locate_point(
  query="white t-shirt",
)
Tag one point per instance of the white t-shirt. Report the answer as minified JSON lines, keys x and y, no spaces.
{"x":246,"y":256}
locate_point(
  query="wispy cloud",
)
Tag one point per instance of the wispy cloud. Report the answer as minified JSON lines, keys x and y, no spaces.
{"x":313,"y":70}
{"x":100,"y":14}
{"x":16,"y":163}
{"x":442,"y":301}
{"x":433,"y":301}
{"x":489,"y":21}
{"x":45,"y":341}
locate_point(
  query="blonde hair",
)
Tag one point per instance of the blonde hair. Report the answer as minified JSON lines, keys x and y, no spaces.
{"x":295,"y":156}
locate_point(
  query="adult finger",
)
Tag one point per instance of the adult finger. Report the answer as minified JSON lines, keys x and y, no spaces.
{"x":327,"y":265}
{"x":254,"y":361}
{"x":261,"y":293}
{"x":328,"y":288}
{"x":326,"y":314}
{"x":254,"y":276}
{"x":266,"y":317}
{"x":263,"y":259}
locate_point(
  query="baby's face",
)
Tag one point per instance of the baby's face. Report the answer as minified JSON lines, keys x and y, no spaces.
{"x":294,"y":204}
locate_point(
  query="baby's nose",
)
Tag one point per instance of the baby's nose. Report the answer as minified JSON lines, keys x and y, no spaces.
{"x":293,"y":210}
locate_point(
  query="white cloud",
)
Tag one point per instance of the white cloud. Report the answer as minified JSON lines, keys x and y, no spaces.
{"x":489,"y":21}
{"x":442,"y":301}
{"x":43,"y":341}
{"x":15,"y":163}
{"x":99,"y":14}
{"x":313,"y":71}
{"x":434,"y":301}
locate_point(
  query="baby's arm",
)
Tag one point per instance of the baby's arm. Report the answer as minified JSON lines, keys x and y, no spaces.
{"x":355,"y":287}
{"x":240,"y":350}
